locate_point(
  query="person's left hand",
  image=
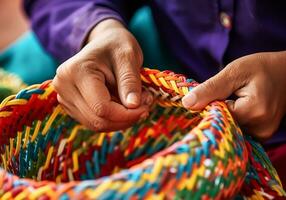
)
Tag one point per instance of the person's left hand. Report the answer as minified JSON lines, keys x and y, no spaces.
{"x":259,"y":82}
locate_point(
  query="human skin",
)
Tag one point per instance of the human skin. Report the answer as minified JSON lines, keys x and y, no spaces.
{"x":12,"y":21}
{"x":259,"y":83}
{"x":100,"y":86}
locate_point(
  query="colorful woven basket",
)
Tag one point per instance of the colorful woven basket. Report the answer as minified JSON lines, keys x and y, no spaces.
{"x":174,"y":154}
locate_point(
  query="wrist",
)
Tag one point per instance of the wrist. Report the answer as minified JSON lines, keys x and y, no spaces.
{"x":105,"y":25}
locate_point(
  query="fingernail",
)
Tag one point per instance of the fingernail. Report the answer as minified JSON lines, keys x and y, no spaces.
{"x":189,"y":100}
{"x":132,"y":99}
{"x":149,"y":100}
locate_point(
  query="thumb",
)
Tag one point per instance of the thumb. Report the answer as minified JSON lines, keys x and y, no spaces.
{"x":218,"y":87}
{"x":129,"y":84}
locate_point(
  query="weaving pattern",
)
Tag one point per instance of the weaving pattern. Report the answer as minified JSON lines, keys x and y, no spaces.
{"x":174,"y":154}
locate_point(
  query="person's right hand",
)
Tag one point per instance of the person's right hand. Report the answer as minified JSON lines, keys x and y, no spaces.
{"x":100,"y":86}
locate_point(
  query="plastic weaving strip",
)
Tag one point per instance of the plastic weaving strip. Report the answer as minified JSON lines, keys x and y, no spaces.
{"x":174,"y":154}
{"x":9,"y":84}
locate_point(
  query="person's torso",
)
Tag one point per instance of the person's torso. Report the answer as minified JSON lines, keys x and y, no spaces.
{"x":206,"y":35}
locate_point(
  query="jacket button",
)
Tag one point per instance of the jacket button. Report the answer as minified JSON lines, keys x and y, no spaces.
{"x":225,"y":20}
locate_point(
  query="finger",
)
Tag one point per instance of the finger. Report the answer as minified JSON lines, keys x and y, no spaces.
{"x":218,"y":87}
{"x":97,"y":101}
{"x":147,"y":98}
{"x":126,"y":70}
{"x":241,"y":109}
{"x":97,"y":124}
{"x":72,"y":111}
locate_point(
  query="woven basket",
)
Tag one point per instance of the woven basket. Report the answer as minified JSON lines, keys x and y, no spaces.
{"x":174,"y":154}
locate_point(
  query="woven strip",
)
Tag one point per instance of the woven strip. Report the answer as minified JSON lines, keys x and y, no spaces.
{"x":174,"y":154}
{"x":9,"y":84}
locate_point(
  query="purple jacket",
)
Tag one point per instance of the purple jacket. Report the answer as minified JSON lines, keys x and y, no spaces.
{"x":203,"y":34}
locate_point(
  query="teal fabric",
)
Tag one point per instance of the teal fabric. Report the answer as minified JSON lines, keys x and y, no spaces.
{"x":156,"y":55}
{"x":27,"y":58}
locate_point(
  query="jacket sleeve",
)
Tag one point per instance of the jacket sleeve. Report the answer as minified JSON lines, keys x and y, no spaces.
{"x":62,"y":25}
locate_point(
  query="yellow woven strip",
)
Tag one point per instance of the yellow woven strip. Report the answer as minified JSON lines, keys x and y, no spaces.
{"x":16,"y":102}
{"x":137,"y":142}
{"x":157,"y":196}
{"x":5,"y":114}
{"x":174,"y":86}
{"x":50,"y":153}
{"x":7,"y":196}
{"x":39,"y":176}
{"x":47,"y":190}
{"x":47,"y":92}
{"x":58,"y":179}
{"x":4,"y":161}
{"x":70,"y":175}
{"x":75,"y":161}
{"x":6,"y":100}
{"x":61,"y":147}
{"x":36,"y":131}
{"x":100,"y":189}
{"x":164,"y":83}
{"x":90,"y":194}
{"x":220,"y":151}
{"x":7,"y":152}
{"x":27,"y":134}
{"x":74,"y":132}
{"x":116,"y":185}
{"x":19,"y":140}
{"x":115,"y":170}
{"x":126,"y":186}
{"x":157,"y":169}
{"x":278,"y":189}
{"x":185,"y":90}
{"x":51,"y":119}
{"x":168,"y":161}
{"x":183,"y":158}
{"x":154,"y":79}
{"x":144,"y":79}
{"x":22,"y":195}
{"x":100,"y":139}
{"x":35,"y":86}
{"x":258,"y":196}
{"x":11,"y":148}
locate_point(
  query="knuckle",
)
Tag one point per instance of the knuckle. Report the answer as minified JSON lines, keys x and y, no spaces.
{"x":129,"y":78}
{"x":86,"y":67}
{"x":99,"y":109}
{"x":63,"y":71}
{"x":56,"y":82}
{"x":127,"y":53}
{"x":127,"y":49}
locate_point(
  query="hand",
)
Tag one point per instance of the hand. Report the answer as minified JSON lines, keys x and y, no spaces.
{"x":258,"y":81}
{"x":100,"y":86}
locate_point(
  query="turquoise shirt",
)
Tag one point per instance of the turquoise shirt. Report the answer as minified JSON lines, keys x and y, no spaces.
{"x":26,"y":58}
